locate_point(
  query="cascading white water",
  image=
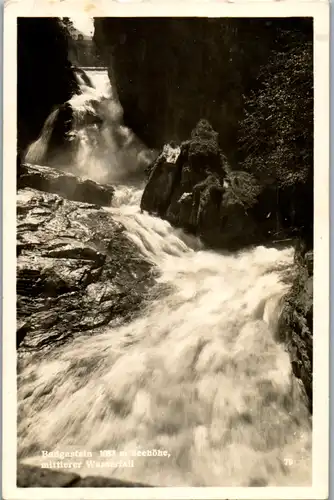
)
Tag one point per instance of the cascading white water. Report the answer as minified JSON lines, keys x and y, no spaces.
{"x":199,"y":374}
{"x":37,"y":150}
{"x":100,"y":147}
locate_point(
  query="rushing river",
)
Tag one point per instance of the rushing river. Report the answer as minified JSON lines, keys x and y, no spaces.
{"x":199,"y":374}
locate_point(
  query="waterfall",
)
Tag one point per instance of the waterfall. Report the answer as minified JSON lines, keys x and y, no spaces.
{"x":98,"y":146}
{"x":37,"y":150}
{"x":199,"y":374}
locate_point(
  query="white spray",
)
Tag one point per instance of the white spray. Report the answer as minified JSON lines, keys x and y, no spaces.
{"x":198,"y":375}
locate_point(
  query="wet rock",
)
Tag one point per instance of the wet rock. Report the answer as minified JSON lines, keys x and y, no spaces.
{"x":309,"y":262}
{"x":106,"y":482}
{"x":64,"y":184}
{"x":35,"y":477}
{"x":295,"y":326}
{"x":162,"y":180}
{"x":76,"y":269}
{"x":195,"y":189}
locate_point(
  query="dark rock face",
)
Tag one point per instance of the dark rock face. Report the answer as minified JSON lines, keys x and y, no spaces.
{"x":64,"y":184}
{"x":192,"y":187}
{"x":171,"y":72}
{"x":76,"y":269}
{"x":45,"y":76}
{"x":163,"y":178}
{"x":36,"y":477}
{"x":156,"y":66}
{"x":296,"y":323}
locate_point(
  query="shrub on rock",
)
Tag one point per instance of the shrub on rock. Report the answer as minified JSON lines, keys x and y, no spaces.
{"x":203,"y":150}
{"x":243,"y":188}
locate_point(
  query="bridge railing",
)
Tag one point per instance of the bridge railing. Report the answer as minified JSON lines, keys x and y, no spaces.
{"x":93,"y":68}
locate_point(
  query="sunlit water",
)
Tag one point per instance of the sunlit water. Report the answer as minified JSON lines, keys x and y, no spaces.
{"x":100,"y":146}
{"x":199,"y":373}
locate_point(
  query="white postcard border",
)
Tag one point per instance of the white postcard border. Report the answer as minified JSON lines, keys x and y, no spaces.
{"x":104,"y":8}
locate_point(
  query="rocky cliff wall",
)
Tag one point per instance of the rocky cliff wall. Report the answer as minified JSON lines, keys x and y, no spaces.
{"x":83,"y":53}
{"x":295,"y":327}
{"x":171,"y":72}
{"x":45,"y":76}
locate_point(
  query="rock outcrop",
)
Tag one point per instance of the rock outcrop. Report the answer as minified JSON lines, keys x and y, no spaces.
{"x":193,"y":187}
{"x":295,"y":326}
{"x":45,"y":76}
{"x":35,"y":477}
{"x":65,"y":184}
{"x":76,"y":269}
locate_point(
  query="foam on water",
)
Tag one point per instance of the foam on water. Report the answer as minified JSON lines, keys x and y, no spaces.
{"x":199,"y":373}
{"x":99,"y":145}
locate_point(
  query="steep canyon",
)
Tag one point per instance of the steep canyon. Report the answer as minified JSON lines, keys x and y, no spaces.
{"x":154,"y":311}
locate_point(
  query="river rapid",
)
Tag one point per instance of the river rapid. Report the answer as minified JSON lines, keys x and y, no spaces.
{"x":198,"y":374}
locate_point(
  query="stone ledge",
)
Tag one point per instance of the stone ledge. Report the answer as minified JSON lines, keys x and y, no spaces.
{"x":64,"y":184}
{"x":35,"y":477}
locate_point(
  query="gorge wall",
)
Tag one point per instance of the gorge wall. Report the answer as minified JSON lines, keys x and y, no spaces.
{"x":247,"y":78}
{"x":45,"y":76}
{"x":82,"y":267}
{"x":172,"y":72}
{"x":295,"y":326}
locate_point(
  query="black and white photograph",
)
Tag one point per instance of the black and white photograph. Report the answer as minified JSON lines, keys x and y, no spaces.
{"x":165,"y":249}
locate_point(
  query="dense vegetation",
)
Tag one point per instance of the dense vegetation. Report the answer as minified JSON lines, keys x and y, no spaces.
{"x":277,"y":132}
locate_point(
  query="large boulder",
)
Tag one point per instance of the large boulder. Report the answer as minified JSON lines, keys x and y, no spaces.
{"x":45,"y":76}
{"x":65,"y":184}
{"x":193,"y":187}
{"x":76,"y":268}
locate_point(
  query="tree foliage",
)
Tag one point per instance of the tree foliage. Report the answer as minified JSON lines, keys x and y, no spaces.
{"x":277,"y":131}
{"x":244,"y":188}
